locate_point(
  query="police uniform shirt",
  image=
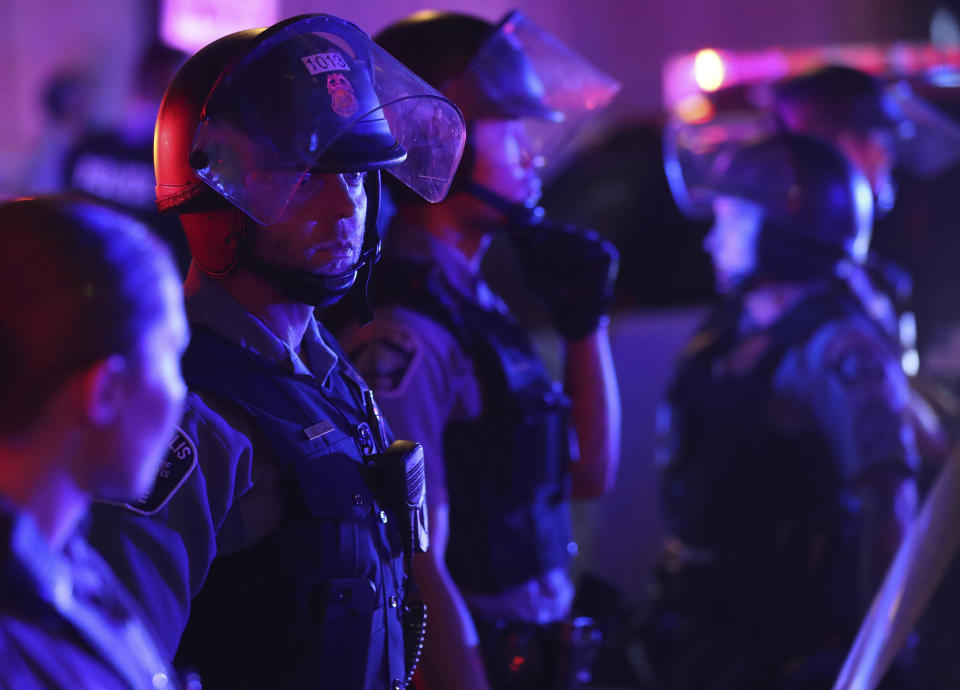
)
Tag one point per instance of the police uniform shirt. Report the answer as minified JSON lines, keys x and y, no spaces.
{"x":65,"y":619}
{"x":223,"y":494}
{"x":852,"y":385}
{"x":424,"y":380}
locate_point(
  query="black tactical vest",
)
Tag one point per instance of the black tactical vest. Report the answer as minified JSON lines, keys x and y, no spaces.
{"x":764,"y":520}
{"x":507,"y":474}
{"x":316,"y":604}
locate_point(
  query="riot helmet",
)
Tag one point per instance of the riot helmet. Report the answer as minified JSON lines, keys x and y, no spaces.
{"x":512,"y":70}
{"x":252,"y":116}
{"x":852,"y":110}
{"x":816,"y":209}
{"x":838,"y":98}
{"x":877,"y":125}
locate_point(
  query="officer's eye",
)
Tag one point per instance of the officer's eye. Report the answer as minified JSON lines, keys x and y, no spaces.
{"x":354,"y":179}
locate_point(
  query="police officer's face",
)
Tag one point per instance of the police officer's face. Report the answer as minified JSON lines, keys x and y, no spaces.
{"x":154,"y":393}
{"x":874,"y":153}
{"x":732,"y":241}
{"x":505,"y":160}
{"x":322,"y":229}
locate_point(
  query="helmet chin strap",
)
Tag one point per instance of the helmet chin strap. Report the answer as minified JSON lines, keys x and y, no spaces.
{"x":519,"y":214}
{"x":315,"y":289}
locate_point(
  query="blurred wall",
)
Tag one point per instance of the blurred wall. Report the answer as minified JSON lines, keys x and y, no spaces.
{"x":42,"y":37}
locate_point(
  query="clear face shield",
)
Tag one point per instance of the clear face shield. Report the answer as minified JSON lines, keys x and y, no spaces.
{"x":316,"y":95}
{"x":525,"y":73}
{"x":817,"y":208}
{"x":693,"y":153}
{"x":927,"y":142}
{"x":914,"y":134}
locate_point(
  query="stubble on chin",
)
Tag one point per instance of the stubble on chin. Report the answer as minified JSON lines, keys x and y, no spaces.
{"x":338,"y":265}
{"x":336,"y":268}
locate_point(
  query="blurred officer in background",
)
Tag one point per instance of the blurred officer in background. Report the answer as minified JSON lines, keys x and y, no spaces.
{"x":284,"y":496}
{"x":91,"y":333}
{"x":867,"y":124}
{"x":116,"y":164}
{"x":503,"y":441}
{"x":788,"y":459}
{"x":851,"y":110}
{"x":67,"y":105}
{"x":878,"y":129}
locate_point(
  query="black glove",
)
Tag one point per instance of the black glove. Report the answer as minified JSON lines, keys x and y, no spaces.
{"x":572,"y":269}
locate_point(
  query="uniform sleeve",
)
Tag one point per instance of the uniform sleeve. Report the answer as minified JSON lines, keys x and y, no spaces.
{"x":859,"y":397}
{"x":422,"y":379}
{"x":13,"y":670}
{"x":18,"y":668}
{"x":161,"y":548}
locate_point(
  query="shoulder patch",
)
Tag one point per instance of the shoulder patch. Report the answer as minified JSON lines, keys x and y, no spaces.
{"x":860,"y":367}
{"x":387,"y":358}
{"x":857,"y":360}
{"x":177,"y":464}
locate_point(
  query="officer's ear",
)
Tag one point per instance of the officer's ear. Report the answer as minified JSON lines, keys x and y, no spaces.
{"x":103,"y":390}
{"x":214,"y":235}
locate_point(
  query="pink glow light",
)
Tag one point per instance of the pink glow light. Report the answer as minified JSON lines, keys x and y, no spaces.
{"x":192,"y":24}
{"x":707,"y":70}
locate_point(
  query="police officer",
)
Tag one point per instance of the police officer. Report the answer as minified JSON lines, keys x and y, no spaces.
{"x":855,"y":113}
{"x":788,"y":459}
{"x":851,"y":110}
{"x":452,"y":367}
{"x":115,"y":164}
{"x":93,"y":329}
{"x":278,"y":537}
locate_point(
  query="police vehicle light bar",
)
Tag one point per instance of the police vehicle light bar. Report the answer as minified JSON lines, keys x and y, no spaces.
{"x":688,"y":78}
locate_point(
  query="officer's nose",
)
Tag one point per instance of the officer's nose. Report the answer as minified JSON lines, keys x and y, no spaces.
{"x":330,"y":197}
{"x":340,"y":199}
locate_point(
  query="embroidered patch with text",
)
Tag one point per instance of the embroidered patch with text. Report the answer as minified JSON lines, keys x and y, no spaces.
{"x":176,"y":466}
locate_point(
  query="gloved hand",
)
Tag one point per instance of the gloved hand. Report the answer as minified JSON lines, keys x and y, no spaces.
{"x":572,"y":269}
